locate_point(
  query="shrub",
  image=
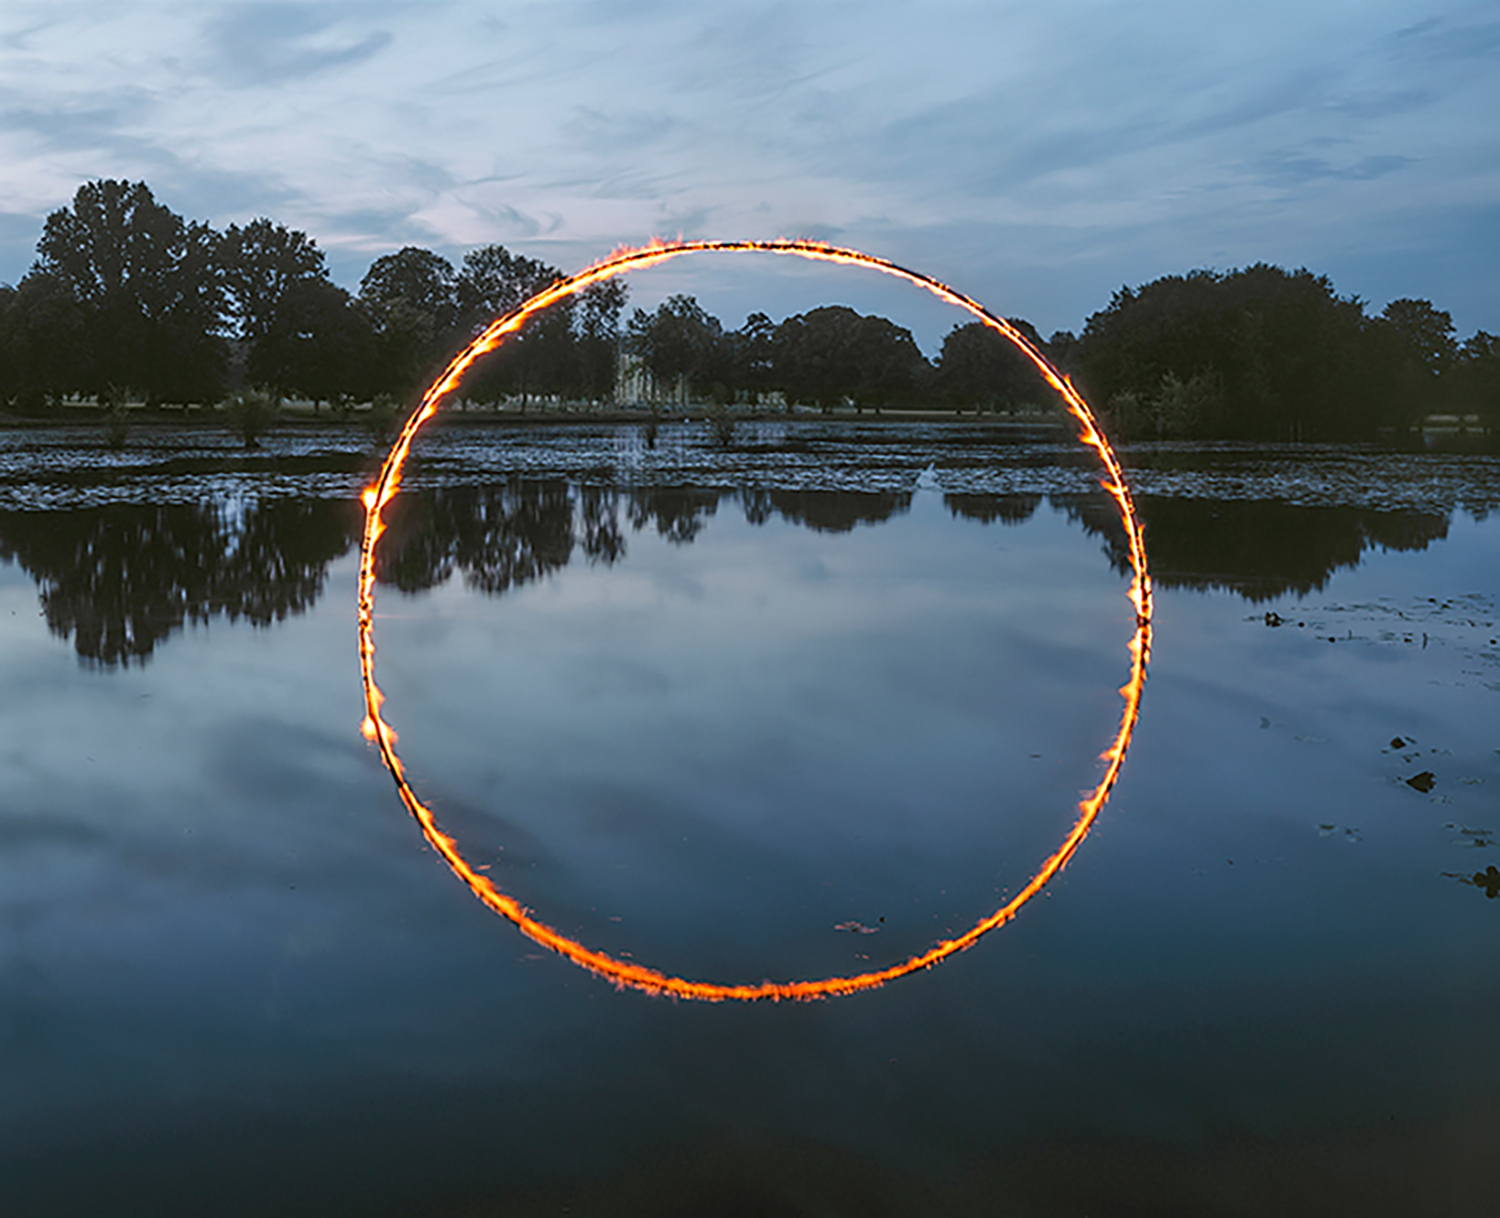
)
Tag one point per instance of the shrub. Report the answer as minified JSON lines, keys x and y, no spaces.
{"x":251,"y":413}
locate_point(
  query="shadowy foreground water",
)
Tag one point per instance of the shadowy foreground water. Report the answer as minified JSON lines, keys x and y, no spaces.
{"x":794,"y":706}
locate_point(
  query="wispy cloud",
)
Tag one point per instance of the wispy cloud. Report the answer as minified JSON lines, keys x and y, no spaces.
{"x":260,"y":44}
{"x":1286,"y":168}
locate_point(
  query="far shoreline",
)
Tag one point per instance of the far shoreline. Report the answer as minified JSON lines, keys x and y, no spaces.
{"x":302,"y":415}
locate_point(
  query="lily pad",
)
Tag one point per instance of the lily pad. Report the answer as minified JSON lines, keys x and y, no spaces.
{"x":1422,"y":782}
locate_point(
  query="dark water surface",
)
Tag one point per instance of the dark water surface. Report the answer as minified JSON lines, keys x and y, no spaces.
{"x":707,"y":707}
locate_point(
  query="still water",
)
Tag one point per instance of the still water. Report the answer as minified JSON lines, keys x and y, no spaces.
{"x":797,"y":706}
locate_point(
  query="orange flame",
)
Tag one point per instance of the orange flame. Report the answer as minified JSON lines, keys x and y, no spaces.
{"x":625,"y":973}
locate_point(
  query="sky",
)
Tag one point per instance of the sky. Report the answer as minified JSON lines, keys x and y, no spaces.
{"x":1038,"y":156}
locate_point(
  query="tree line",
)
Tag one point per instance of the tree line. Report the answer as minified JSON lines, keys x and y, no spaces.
{"x":1262,"y":353}
{"x":126,"y":299}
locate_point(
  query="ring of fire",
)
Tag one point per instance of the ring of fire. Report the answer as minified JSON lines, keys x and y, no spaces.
{"x":625,"y":973}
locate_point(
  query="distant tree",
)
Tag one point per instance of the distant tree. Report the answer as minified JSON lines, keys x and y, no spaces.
{"x":1062,"y":350}
{"x":149,"y":288}
{"x":9,"y":374}
{"x":43,"y":342}
{"x":1425,"y":351}
{"x":980,"y":367}
{"x":260,"y":264}
{"x":411,"y":300}
{"x":833,"y":354}
{"x":597,"y":326}
{"x":1262,"y":353}
{"x":679,"y":344}
{"x":319,"y":344}
{"x":424,"y":280}
{"x":405,"y":346}
{"x":1426,"y":331}
{"x":1476,"y":378}
{"x":755,"y":354}
{"x":494,"y":282}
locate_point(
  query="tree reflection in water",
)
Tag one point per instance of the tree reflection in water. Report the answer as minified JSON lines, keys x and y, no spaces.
{"x":498,"y":536}
{"x":826,"y":511}
{"x":1007,"y":509}
{"x":1260,"y":549}
{"x":119,"y":580}
{"x":678,"y":512}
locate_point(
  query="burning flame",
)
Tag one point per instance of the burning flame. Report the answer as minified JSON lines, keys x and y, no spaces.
{"x":625,"y":973}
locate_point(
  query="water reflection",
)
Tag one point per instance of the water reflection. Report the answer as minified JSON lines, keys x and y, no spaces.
{"x":215,"y":917}
{"x":499,"y":537}
{"x":825,"y":511}
{"x":678,"y":512}
{"x":120,"y":579}
{"x":1260,"y":549}
{"x":1006,"y":509}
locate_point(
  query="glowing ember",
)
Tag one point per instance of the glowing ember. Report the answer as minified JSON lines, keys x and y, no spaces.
{"x":626,"y":973}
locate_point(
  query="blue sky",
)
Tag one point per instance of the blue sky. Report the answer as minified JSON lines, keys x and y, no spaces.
{"x":1037,"y":156}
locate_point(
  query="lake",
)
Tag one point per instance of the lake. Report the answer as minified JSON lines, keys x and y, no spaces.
{"x":794,"y":706}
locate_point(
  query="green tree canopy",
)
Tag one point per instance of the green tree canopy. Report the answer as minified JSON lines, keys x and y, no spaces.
{"x":833,"y":353}
{"x":1259,"y":353}
{"x":260,"y":264}
{"x":679,"y":344}
{"x":981,"y":367}
{"x":494,"y":281}
{"x":411,"y":300}
{"x":423,"y":280}
{"x":149,"y":288}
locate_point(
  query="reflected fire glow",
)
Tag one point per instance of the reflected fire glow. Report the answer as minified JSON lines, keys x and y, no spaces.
{"x":627,"y":973}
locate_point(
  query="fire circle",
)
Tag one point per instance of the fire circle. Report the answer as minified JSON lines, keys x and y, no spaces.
{"x":626,"y":973}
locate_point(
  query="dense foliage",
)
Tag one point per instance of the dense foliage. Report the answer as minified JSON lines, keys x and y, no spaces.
{"x":1263,"y":353}
{"x":129,"y":301}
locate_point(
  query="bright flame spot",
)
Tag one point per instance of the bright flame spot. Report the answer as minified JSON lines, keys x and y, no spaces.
{"x":625,"y":973}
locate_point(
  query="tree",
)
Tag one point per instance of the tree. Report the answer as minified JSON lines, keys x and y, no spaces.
{"x":680,"y":345}
{"x":319,"y":344}
{"x":755,"y":354}
{"x":404,"y":345}
{"x":410,"y":298}
{"x":424,"y":280}
{"x":834,"y":354}
{"x":1476,"y":377}
{"x":978,"y":366}
{"x":1425,"y":350}
{"x":494,"y":282}
{"x":147,"y":283}
{"x":43,"y":341}
{"x":1427,"y":332}
{"x":1263,"y":353}
{"x":260,"y":264}
{"x":597,"y":324}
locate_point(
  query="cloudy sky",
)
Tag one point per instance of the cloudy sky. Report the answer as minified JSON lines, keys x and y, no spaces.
{"x":1036,"y":155}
